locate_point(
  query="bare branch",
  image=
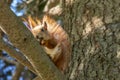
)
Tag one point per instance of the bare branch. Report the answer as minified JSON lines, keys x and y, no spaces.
{"x":18,"y":71}
{"x":37,"y":78}
{"x":50,"y":4}
{"x":9,"y":61}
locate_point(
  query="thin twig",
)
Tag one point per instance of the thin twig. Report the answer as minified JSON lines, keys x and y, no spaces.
{"x":18,"y":71}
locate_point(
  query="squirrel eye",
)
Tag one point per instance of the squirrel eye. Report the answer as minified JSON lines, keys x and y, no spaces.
{"x":37,"y":37}
{"x":42,"y":30}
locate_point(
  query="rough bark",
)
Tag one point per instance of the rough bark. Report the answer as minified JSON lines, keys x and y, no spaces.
{"x":15,"y":54}
{"x":94,"y":30}
{"x":21,"y":38}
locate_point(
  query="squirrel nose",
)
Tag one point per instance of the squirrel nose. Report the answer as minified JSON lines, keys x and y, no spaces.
{"x":37,"y":37}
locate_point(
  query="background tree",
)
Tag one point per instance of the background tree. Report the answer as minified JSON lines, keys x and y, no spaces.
{"x":93,"y":27}
{"x":94,"y":30}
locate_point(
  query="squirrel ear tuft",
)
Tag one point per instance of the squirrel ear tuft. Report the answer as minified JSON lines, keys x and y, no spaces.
{"x":31,"y":22}
{"x":45,"y":25}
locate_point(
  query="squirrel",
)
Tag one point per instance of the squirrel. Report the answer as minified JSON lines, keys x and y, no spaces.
{"x":53,"y":38}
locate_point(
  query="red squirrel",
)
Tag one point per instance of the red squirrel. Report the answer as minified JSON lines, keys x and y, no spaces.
{"x":53,"y":38}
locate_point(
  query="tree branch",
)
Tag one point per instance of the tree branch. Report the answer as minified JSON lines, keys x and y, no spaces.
{"x":21,"y":37}
{"x":18,"y":71}
{"x":8,"y":61}
{"x":13,"y":53}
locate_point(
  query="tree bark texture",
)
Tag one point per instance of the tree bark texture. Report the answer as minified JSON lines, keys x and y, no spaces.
{"x":94,"y":30}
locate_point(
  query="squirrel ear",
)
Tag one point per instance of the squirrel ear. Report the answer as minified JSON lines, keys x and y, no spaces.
{"x":45,"y":25}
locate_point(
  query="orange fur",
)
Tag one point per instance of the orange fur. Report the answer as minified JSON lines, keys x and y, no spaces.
{"x":53,"y":38}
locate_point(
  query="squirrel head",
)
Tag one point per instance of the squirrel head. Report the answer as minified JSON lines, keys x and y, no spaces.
{"x":40,"y":31}
{"x":38,"y":28}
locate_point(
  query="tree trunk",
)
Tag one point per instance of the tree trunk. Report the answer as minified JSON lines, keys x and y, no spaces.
{"x":94,"y":30}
